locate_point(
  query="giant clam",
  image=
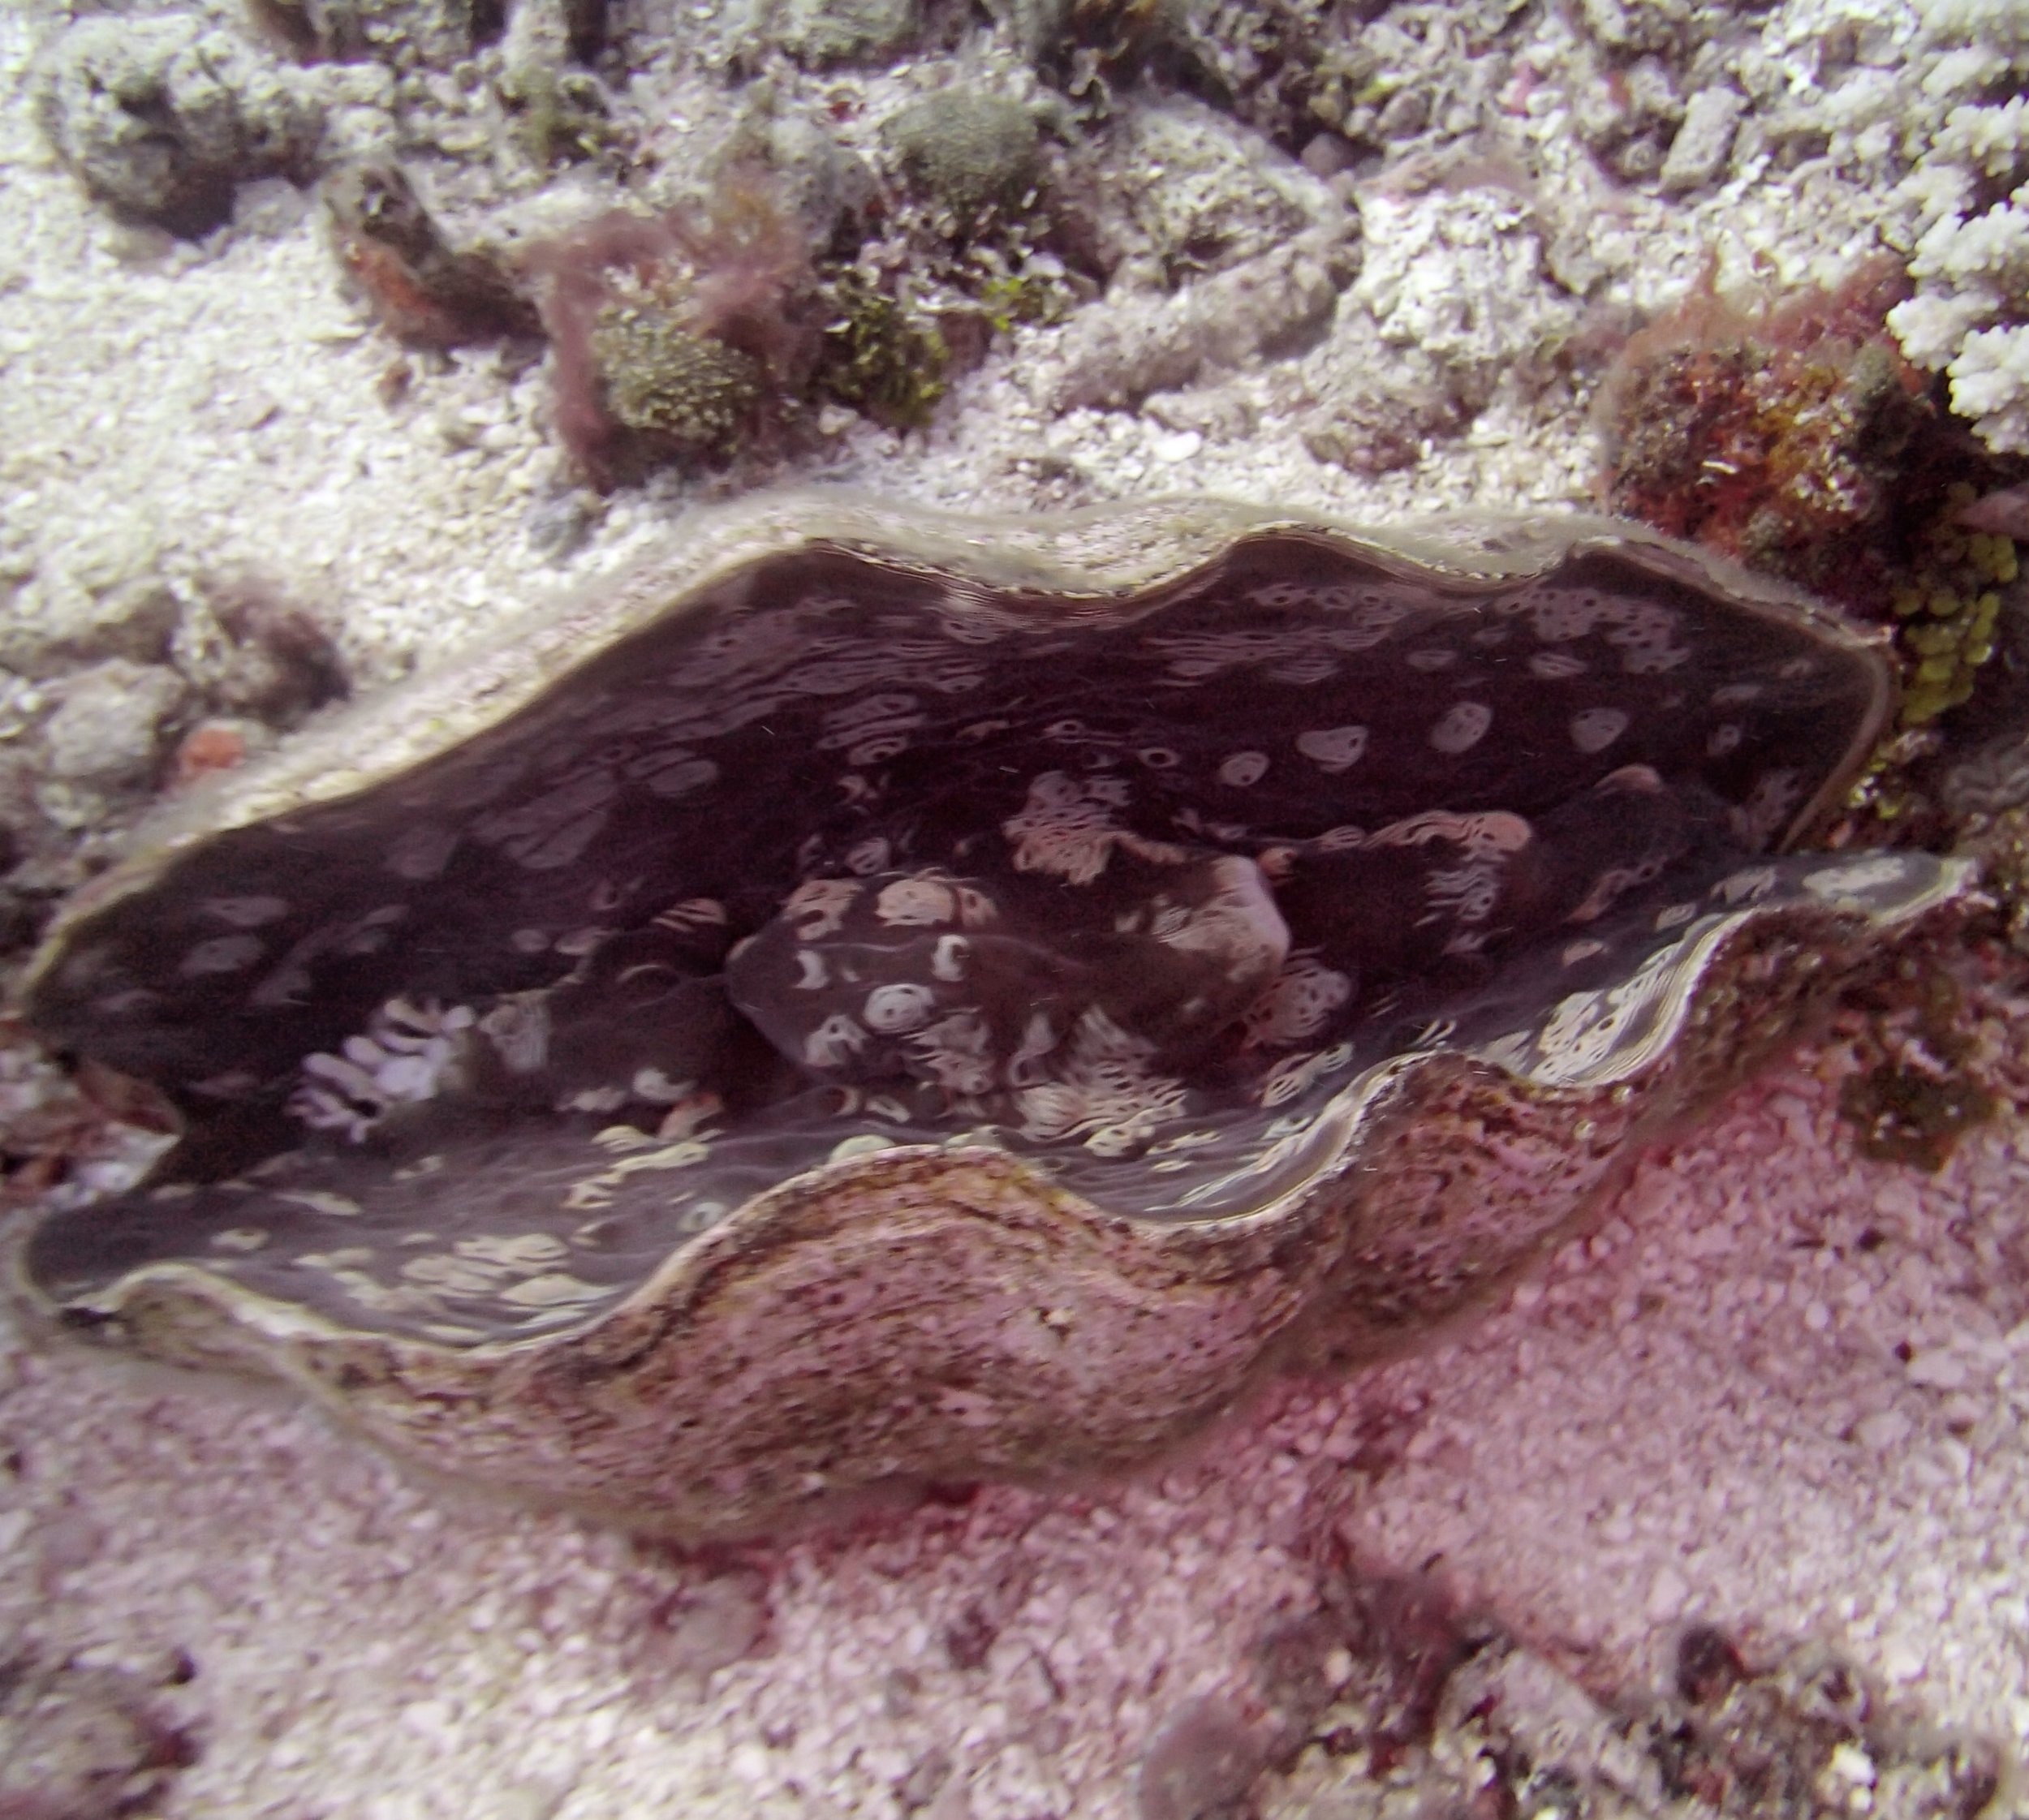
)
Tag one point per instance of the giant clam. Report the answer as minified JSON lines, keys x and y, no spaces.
{"x":879,"y":997}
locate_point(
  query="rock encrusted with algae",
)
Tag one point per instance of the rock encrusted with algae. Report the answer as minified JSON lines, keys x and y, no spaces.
{"x":885,"y":997}
{"x":160,"y":118}
{"x":969,"y":152}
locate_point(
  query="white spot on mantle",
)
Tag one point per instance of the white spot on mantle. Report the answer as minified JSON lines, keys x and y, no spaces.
{"x":1462,"y":727}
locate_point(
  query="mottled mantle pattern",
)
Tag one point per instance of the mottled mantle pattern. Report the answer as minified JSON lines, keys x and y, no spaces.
{"x":885,"y":997}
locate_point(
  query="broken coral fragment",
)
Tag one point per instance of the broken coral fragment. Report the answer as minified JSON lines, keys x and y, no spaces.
{"x":1970,"y":221}
{"x":884,"y":997}
{"x":425,"y":293}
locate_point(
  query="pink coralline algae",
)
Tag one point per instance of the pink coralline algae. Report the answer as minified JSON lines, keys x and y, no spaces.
{"x":880,"y":997}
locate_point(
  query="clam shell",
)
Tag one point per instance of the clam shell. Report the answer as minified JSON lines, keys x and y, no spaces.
{"x":876,"y":996}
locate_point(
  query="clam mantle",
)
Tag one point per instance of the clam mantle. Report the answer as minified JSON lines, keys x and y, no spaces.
{"x":883,"y":996}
